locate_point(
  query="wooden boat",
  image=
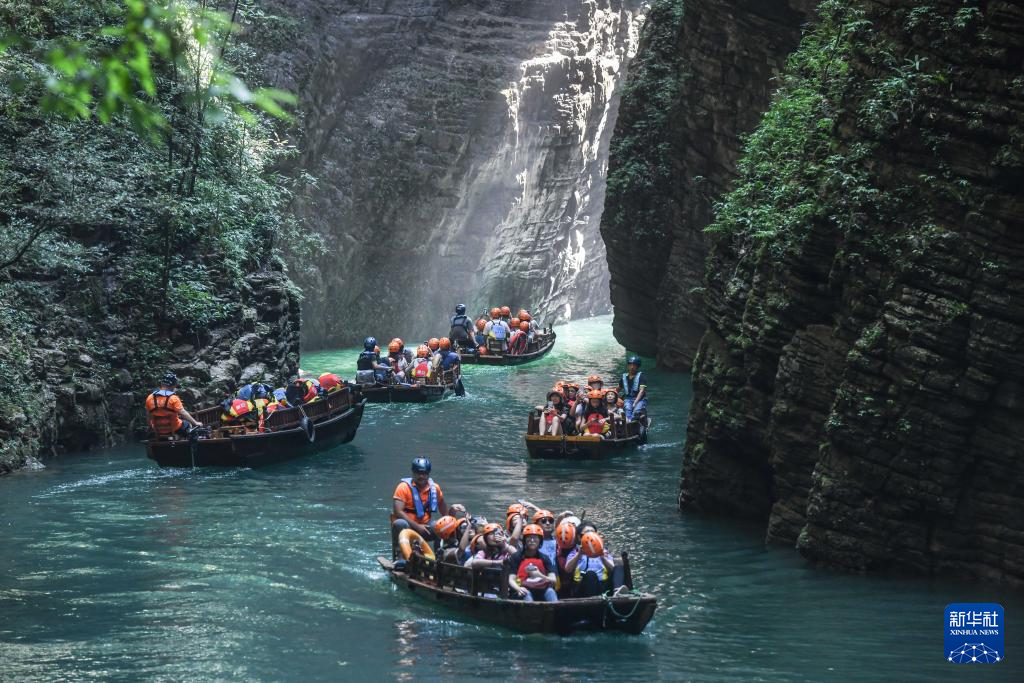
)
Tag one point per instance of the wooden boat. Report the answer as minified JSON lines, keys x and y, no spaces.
{"x":539,"y":347}
{"x":288,"y":434}
{"x":585,"y":447}
{"x":411,"y":393}
{"x":473,"y":591}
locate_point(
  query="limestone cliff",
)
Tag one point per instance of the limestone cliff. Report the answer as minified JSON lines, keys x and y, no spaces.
{"x":860,"y":384}
{"x":460,"y":152}
{"x":702,"y":78}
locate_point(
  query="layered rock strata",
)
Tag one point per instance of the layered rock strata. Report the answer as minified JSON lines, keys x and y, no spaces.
{"x":460,"y":151}
{"x":702,"y":78}
{"x":860,"y":384}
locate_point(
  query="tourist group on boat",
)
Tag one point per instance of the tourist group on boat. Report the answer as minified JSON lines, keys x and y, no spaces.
{"x":547,"y":557}
{"x":595,"y":410}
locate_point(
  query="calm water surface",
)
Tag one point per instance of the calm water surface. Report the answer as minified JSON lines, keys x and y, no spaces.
{"x":113,"y":569}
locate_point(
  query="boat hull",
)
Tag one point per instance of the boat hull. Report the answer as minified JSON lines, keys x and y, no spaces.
{"x":259,"y":449}
{"x":582,"y":447}
{"x":504,"y":359}
{"x":422,"y":393}
{"x":629,"y":614}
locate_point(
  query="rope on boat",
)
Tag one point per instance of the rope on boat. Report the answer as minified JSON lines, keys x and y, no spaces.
{"x":609,"y":598}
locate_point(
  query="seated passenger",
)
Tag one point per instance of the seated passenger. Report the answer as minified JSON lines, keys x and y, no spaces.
{"x":454,"y":534}
{"x":616,"y":417}
{"x":546,"y":520}
{"x":595,"y":382}
{"x":450,"y":360}
{"x":595,"y":419}
{"x":496,"y":548}
{"x":565,"y":539}
{"x":421,"y":370}
{"x":167,"y":414}
{"x":554,"y":416}
{"x":396,"y":360}
{"x":517,"y":343}
{"x":534,"y":577}
{"x":497,"y":329}
{"x":480,"y":337}
{"x":590,"y":565}
{"x":433,"y":346}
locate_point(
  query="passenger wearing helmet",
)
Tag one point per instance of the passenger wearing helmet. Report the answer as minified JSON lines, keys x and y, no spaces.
{"x":397,"y":360}
{"x":534,"y":574}
{"x":555,"y":415}
{"x":506,"y":314}
{"x":495,"y":551}
{"x":591,"y":565}
{"x":167,"y":414}
{"x":422,"y":370}
{"x":517,"y":342}
{"x":546,"y":520}
{"x":417,"y":499}
{"x":480,"y":337}
{"x":633,"y":389}
{"x":461,"y":332}
{"x":369,"y":368}
{"x":449,"y":358}
{"x":497,"y":329}
{"x":616,"y":416}
{"x":455,"y":531}
{"x":531,"y":324}
{"x":595,"y":420}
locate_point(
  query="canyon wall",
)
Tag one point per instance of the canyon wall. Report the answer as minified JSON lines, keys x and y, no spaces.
{"x":704,"y":74}
{"x":859,"y":387}
{"x":460,"y":150}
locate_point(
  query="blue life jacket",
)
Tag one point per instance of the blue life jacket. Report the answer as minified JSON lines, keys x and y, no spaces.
{"x":366,"y":360}
{"x":431,"y":500}
{"x":450,"y":360}
{"x":631,"y":390}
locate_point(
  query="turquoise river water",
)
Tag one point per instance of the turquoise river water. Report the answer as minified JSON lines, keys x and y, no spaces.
{"x":113,"y":569}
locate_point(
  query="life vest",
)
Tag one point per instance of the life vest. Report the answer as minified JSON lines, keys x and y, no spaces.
{"x":303,"y":393}
{"x":281,"y":396}
{"x":527,"y":562}
{"x":498,"y":330}
{"x":631,"y":389}
{"x":366,"y":360}
{"x":461,"y":328}
{"x":596,"y":424}
{"x":236,"y":409}
{"x":162,"y":420}
{"x":422,"y":368}
{"x":418,"y":503}
{"x":330,"y":382}
{"x":517,"y":342}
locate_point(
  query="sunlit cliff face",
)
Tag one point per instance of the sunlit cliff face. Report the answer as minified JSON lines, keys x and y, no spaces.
{"x":460,"y":156}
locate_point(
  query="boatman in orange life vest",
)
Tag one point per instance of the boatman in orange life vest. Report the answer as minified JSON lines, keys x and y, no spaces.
{"x":417,"y":501}
{"x":167,"y":415}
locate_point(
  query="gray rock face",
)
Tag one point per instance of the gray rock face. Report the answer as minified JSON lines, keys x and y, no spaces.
{"x":460,"y":151}
{"x":702,"y":78}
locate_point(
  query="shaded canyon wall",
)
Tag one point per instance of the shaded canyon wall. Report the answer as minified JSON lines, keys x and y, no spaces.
{"x":460,"y":150}
{"x":703,"y":75}
{"x":859,"y":384}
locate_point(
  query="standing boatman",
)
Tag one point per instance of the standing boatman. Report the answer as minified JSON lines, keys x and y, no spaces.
{"x":417,"y":500}
{"x":632,"y":388}
{"x":167,"y":415}
{"x":461,"y":332}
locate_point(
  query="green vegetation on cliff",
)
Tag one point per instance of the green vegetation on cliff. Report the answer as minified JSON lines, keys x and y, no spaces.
{"x":136,"y":196}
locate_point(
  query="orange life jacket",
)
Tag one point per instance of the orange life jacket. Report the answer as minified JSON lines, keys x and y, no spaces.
{"x":162,"y":420}
{"x":329,"y":381}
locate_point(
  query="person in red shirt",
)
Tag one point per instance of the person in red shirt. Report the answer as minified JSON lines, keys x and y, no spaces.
{"x":417,"y":500}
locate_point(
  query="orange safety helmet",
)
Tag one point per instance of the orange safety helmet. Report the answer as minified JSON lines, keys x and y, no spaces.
{"x":513,"y":323}
{"x":481,"y":324}
{"x":541,"y":514}
{"x":515,"y":508}
{"x":490,"y":528}
{"x":595,"y":378}
{"x":595,"y":393}
{"x":524,"y":326}
{"x":592,"y":544}
{"x":394,"y":347}
{"x":522,"y":314}
{"x":421,"y":351}
{"x":482,"y":350}
{"x":505,"y":310}
{"x":445,"y":343}
{"x":446,"y":526}
{"x":565,"y":535}
{"x":533,"y":530}
{"x":495,"y":313}
{"x":433,"y":343}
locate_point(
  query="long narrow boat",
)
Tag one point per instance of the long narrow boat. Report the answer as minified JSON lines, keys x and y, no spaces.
{"x":411,"y":393}
{"x":538,"y":348}
{"x":483,"y":594}
{"x":288,"y":434}
{"x":585,"y":447}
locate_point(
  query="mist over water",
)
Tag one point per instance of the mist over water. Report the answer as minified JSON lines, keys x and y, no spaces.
{"x":113,"y":569}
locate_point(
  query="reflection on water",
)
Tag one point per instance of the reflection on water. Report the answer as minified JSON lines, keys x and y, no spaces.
{"x":113,"y":569}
